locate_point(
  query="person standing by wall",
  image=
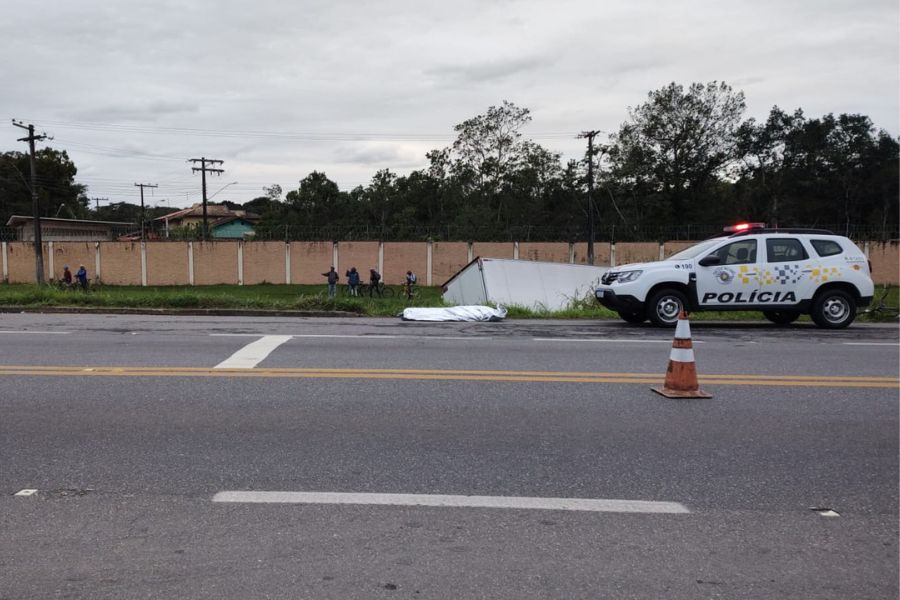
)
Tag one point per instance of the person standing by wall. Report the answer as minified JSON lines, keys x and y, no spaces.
{"x":332,"y":282}
{"x":82,"y":277}
{"x":410,"y":284}
{"x":374,"y":283}
{"x":67,"y":277}
{"x":353,"y":281}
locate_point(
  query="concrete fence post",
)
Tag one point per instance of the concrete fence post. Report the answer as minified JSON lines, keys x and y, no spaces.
{"x":240,"y":263}
{"x":190,"y":250}
{"x":866,"y":250}
{"x":515,"y":250}
{"x":429,"y":261}
{"x":335,"y":256}
{"x":381,"y":257}
{"x":662,"y":250}
{"x":471,"y":248}
{"x":612,"y":255}
{"x":571,"y":253}
{"x":287,"y":263}
{"x":51,"y":267}
{"x":5,"y":252}
{"x":97,"y":260}
{"x":144,"y":264}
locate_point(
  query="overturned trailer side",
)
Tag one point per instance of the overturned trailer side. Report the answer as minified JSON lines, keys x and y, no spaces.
{"x":532,"y":284}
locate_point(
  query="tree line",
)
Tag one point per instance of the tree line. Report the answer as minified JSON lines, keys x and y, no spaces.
{"x":684,"y":163}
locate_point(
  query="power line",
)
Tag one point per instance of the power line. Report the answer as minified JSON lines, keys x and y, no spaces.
{"x":332,"y":136}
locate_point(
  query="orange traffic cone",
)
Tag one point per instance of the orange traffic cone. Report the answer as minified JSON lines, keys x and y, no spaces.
{"x":681,"y":376}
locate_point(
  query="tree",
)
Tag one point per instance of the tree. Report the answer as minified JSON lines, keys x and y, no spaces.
{"x":59,"y":195}
{"x":489,"y":143}
{"x":317,"y":202}
{"x":677,"y":144}
{"x":766,"y":150}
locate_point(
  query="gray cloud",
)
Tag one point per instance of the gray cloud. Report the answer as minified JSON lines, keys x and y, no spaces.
{"x":404,"y":70}
{"x":148,"y":111}
{"x":490,"y":70}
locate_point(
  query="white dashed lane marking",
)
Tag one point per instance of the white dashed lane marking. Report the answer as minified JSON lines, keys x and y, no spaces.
{"x":40,"y":332}
{"x":253,"y":353}
{"x":509,"y":502}
{"x":606,"y":340}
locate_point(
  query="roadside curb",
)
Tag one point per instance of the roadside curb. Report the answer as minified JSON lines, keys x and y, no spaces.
{"x":196,"y":312}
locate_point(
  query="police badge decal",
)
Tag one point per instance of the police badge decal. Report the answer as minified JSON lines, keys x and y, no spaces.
{"x":724,"y":275}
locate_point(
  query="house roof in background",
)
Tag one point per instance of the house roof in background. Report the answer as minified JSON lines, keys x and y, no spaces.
{"x":213,"y":211}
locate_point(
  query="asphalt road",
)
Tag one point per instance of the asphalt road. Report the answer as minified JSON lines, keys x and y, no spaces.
{"x":128,"y":432}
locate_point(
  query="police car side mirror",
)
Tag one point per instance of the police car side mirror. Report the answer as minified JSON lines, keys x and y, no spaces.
{"x":709,"y":261}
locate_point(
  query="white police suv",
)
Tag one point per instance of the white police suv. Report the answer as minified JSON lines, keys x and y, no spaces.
{"x":782,"y":272}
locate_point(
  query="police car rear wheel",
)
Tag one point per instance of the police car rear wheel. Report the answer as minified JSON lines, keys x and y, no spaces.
{"x":781,"y":317}
{"x":631,"y":317}
{"x":664,"y":307}
{"x":833,"y":309}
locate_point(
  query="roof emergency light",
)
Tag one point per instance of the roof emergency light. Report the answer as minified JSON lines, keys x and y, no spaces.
{"x":739,"y":227}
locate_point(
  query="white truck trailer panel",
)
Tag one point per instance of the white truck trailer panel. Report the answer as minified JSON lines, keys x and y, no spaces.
{"x":532,"y":284}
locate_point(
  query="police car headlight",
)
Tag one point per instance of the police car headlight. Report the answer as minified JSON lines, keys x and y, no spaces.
{"x":626,"y":276}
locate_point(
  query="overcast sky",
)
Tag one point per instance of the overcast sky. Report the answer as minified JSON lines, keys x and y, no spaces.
{"x":278,"y":89}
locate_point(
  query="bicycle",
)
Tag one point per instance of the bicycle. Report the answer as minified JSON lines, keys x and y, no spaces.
{"x":382,"y":291}
{"x":879,"y":307}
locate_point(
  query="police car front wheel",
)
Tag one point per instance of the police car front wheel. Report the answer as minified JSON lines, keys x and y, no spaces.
{"x":833,"y":309}
{"x":665,"y":306}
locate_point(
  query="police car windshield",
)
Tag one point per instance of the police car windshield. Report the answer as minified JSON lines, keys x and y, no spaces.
{"x":695,"y":250}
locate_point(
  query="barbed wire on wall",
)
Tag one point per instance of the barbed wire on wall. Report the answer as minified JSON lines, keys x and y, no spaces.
{"x":448,"y":233}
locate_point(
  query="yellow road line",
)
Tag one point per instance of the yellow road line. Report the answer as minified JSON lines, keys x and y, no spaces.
{"x":450,"y":375}
{"x":356,"y":372}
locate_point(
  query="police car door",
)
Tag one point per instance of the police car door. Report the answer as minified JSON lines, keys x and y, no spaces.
{"x":787,"y":271}
{"x":733,"y":280}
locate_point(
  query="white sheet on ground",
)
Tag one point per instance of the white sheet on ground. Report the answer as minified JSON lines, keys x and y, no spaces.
{"x":455,"y":313}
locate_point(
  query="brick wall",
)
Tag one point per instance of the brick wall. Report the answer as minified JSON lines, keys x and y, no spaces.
{"x":494,"y":249}
{"x":400,"y":257}
{"x":601,"y":253}
{"x":545,"y":252}
{"x":885,"y":258}
{"x":73,"y":254}
{"x":217,"y":262}
{"x":20,"y":257}
{"x":120,"y":263}
{"x":362,"y":255}
{"x":636,"y":252}
{"x":264,"y":262}
{"x":309,"y":260}
{"x":446,"y":259}
{"x":676,"y":247}
{"x":167,"y":263}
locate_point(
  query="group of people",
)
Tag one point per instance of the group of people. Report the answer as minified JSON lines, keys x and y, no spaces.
{"x":375,"y":284}
{"x":81,"y":276}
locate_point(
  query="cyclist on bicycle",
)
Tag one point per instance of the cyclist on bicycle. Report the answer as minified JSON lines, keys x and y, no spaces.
{"x":374,"y":283}
{"x":410,"y":284}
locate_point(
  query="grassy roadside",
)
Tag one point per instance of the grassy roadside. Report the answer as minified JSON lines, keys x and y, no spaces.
{"x":308,"y":298}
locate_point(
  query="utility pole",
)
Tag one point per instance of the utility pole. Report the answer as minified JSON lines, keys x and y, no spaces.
{"x":35,"y":203}
{"x":142,"y":186}
{"x":204,"y":169}
{"x":590,"y":138}
{"x":97,"y":203}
